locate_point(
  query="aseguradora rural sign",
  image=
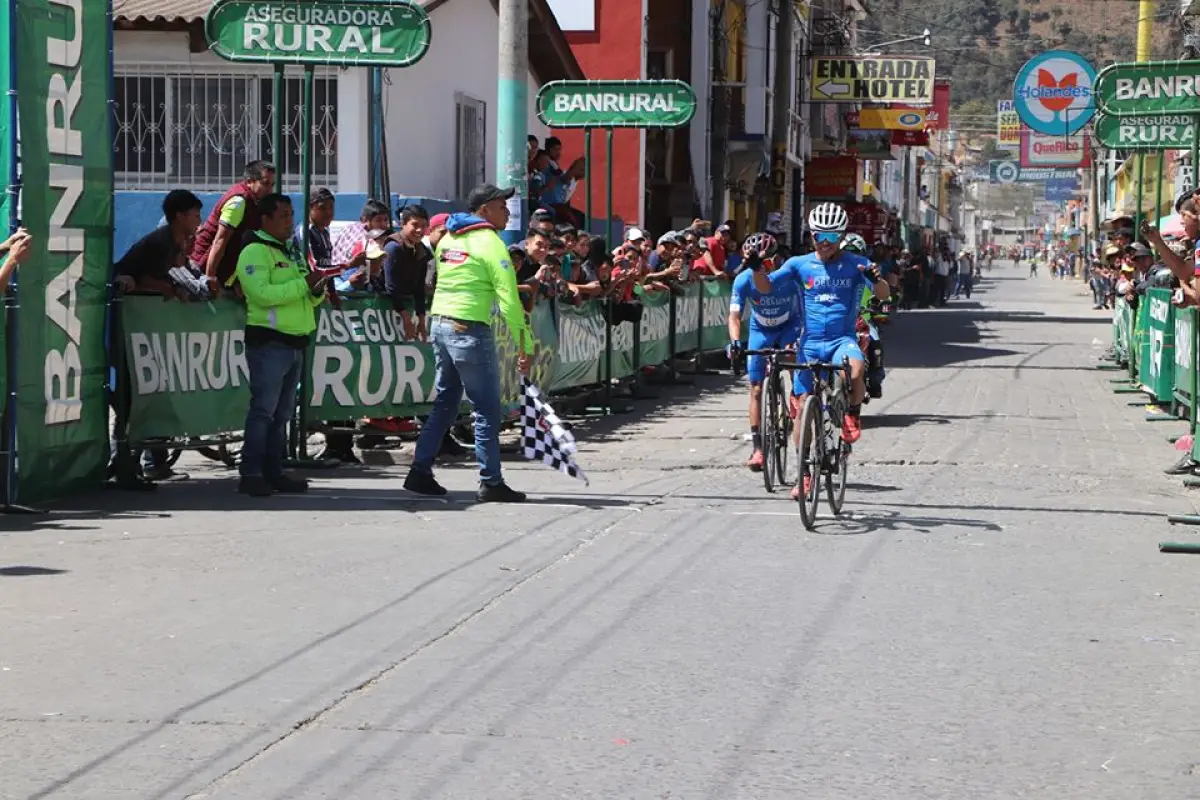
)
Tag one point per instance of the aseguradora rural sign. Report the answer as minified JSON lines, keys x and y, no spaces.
{"x":1168,"y":132}
{"x":368,"y":33}
{"x":616,"y":104}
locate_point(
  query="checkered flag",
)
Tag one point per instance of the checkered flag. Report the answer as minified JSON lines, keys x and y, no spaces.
{"x":543,"y":437}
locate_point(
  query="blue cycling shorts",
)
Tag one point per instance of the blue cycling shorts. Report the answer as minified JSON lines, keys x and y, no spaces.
{"x":756,"y":366}
{"x":831,"y":352}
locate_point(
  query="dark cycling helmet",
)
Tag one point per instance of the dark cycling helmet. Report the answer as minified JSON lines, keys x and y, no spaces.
{"x":761,"y":244}
{"x":855,"y":244}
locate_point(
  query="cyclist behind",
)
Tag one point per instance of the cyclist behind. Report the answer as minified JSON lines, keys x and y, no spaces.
{"x":831,"y":282}
{"x":870,"y":308}
{"x":774,"y":322}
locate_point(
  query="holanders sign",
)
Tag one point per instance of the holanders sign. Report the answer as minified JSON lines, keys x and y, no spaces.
{"x":616,"y":104}
{"x":373,"y":33}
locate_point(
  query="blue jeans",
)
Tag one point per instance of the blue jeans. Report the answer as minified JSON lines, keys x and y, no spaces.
{"x":465,"y":356}
{"x":274,"y":377}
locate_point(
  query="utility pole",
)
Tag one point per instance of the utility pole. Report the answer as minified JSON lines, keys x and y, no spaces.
{"x":780,"y":186}
{"x":512,"y":111}
{"x":1145,"y":19}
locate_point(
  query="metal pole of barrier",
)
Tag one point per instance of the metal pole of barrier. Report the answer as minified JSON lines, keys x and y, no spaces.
{"x":587,"y":178}
{"x":1141,"y":171}
{"x":299,"y":437}
{"x":1158,"y":183}
{"x":12,"y":297}
{"x":277,"y":103}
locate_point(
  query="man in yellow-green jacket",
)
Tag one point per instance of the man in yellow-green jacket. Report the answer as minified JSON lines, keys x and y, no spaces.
{"x":474,"y":274}
{"x":281,"y":298}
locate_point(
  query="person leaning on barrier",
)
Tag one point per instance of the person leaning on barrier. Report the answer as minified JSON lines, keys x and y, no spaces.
{"x":281,"y":299}
{"x":1182,"y":267}
{"x":474,"y":274}
{"x":236,"y":216}
{"x":147,"y":265}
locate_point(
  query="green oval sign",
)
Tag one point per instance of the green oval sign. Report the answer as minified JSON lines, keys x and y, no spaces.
{"x":616,"y":104}
{"x":367,"y":33}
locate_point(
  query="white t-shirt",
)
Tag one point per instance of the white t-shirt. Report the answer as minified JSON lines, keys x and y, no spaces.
{"x":942,"y":267}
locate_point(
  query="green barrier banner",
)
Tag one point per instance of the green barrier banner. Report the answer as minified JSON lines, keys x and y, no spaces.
{"x":687,"y":319}
{"x":362,"y":366}
{"x":1185,"y":353}
{"x":187,"y":367}
{"x":66,"y":161}
{"x":622,"y":359}
{"x":580,"y":353}
{"x":714,"y":334}
{"x":540,"y":352}
{"x":1140,"y":350}
{"x":656,"y":328}
{"x":1160,"y":336}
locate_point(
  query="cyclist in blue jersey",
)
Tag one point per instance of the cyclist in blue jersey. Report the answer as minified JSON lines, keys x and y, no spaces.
{"x":774,"y":321}
{"x":831,"y":281}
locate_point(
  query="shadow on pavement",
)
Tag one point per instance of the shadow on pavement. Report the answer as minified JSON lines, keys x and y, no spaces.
{"x":857,"y":523}
{"x":26,"y":572}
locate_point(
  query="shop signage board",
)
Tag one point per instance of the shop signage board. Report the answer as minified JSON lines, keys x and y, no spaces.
{"x":888,"y":118}
{"x":1012,"y":172}
{"x":1151,"y":87}
{"x":872,"y":79}
{"x":348,"y":33}
{"x":1166,"y":132}
{"x":1053,"y":92}
{"x":1040,"y":150}
{"x":616,"y":104}
{"x":1008,"y":124}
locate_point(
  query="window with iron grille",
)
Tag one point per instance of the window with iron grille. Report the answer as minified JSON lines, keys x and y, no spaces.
{"x":197,"y":130}
{"x":470,"y":140}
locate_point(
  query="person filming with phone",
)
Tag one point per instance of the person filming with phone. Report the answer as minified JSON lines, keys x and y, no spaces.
{"x":281,"y":299}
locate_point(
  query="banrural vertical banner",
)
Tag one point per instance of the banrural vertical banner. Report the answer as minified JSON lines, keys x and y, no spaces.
{"x":66,"y":165}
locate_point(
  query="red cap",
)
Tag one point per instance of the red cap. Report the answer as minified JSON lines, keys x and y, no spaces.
{"x":438,"y":221}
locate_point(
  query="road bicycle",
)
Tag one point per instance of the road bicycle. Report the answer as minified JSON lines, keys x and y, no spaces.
{"x":820,"y":451}
{"x":774,"y":421}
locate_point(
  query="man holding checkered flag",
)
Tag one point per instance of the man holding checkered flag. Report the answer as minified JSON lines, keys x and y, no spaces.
{"x":543,"y":437}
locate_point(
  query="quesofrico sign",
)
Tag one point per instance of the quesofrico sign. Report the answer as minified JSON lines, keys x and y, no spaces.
{"x":1053,"y":92}
{"x":1040,"y":150}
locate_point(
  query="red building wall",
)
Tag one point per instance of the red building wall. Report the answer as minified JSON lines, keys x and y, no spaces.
{"x":612,"y":51}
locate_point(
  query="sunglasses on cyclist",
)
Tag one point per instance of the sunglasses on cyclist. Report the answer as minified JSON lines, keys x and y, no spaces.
{"x":827,"y":237}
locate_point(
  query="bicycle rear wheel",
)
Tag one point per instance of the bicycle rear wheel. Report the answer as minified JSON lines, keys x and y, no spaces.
{"x":808,"y":460}
{"x":766,"y":429}
{"x":835,"y":478}
{"x":783,"y":431}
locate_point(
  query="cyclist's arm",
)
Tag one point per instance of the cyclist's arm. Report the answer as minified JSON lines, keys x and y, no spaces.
{"x":737,"y":301}
{"x":875,"y":282}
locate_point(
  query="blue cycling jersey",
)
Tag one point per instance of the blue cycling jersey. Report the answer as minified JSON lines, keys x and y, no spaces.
{"x":830,"y":293}
{"x":774,"y":311}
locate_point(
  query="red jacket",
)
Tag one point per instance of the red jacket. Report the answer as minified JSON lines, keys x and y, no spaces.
{"x":208,"y":232}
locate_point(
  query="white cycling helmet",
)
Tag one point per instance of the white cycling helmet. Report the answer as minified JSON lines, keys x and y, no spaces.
{"x":855,"y":244}
{"x":828,"y":218}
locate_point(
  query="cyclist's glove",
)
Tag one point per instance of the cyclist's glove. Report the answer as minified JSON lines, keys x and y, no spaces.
{"x":873,"y":273}
{"x":734,"y":351}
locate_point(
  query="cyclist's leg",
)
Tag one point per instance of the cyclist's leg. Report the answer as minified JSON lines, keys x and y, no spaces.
{"x":847,"y":348}
{"x":756,"y":372}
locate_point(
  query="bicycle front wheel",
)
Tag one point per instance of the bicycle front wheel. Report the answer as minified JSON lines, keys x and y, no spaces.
{"x":808,"y":460}
{"x":835,"y":478}
{"x":768,"y":401}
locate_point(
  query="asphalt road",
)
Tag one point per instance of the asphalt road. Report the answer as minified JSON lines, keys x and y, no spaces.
{"x":991,"y":619}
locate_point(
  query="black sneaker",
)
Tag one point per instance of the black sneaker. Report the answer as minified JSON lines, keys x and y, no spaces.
{"x":255,"y":486}
{"x":344,"y":456}
{"x":500,"y":493}
{"x":423,"y":483}
{"x":1183,"y":466}
{"x":285,"y":484}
